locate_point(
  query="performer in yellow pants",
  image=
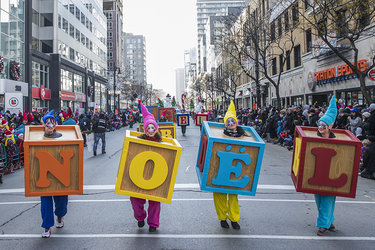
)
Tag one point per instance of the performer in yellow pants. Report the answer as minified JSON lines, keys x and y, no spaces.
{"x":227,"y":207}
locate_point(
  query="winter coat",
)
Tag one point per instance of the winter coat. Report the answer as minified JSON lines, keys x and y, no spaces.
{"x":366,"y":127}
{"x":369,"y":158}
{"x":313,"y":120}
{"x":355,"y":123}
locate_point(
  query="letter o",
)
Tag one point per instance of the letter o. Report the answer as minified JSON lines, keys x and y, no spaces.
{"x":137,"y":167}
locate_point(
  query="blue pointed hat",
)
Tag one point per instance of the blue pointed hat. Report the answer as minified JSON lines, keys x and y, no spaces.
{"x":330,"y":116}
{"x":48,"y":115}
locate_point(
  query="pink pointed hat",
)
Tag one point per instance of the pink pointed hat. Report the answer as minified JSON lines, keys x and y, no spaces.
{"x":147,"y":117}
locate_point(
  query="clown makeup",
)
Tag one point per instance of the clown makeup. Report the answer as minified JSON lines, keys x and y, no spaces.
{"x":150,"y":130}
{"x":324,"y":129}
{"x":50,"y":123}
{"x":231,"y":124}
{"x":49,"y":126}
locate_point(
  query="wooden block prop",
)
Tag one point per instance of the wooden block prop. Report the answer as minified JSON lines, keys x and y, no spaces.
{"x":167,"y":131}
{"x":220,"y":119}
{"x":200,"y":118}
{"x":169,"y":113}
{"x":154,"y":110}
{"x":183,"y":119}
{"x":140,"y":128}
{"x":228,"y":164}
{"x":53,"y":166}
{"x":148,"y":169}
{"x":324,"y":165}
{"x":165,"y":124}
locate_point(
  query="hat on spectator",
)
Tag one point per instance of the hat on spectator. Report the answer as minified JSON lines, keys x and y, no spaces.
{"x":354,"y":110}
{"x":331,"y":113}
{"x":350,"y":106}
{"x":366,"y":114}
{"x":372,"y":105}
{"x":231,"y":113}
{"x":147,"y":117}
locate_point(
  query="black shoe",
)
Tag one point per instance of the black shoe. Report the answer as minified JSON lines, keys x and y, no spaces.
{"x":224,"y":224}
{"x":235,"y":225}
{"x":152,"y":229}
{"x":141,"y":223}
{"x":94,"y":152}
{"x":104,"y":152}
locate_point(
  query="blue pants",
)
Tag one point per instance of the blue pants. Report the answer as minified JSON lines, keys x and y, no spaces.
{"x":61,"y":208}
{"x":98,"y":136}
{"x":326,"y":208}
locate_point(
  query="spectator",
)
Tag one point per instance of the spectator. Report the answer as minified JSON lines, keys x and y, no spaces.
{"x":369,"y":160}
{"x":372,"y":118}
{"x":313,"y":118}
{"x":99,"y":128}
{"x":366,"y":125}
{"x":356,"y":121}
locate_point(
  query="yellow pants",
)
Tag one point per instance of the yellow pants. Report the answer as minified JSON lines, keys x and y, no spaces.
{"x":227,"y":208}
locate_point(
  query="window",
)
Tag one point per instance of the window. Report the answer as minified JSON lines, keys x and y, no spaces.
{"x":307,"y":4}
{"x":280,"y":27}
{"x":288,"y":60}
{"x":71,"y":8}
{"x":109,"y":35}
{"x":83,"y":39}
{"x":281,"y":66}
{"x":341,"y":23}
{"x":109,"y":45}
{"x":109,"y":15}
{"x":297,"y":56}
{"x":110,"y":55}
{"x":364,"y":14}
{"x":272,"y":31}
{"x":322,"y":26}
{"x":71,"y":30}
{"x":78,"y":35}
{"x":274,"y":66}
{"x":71,"y":54}
{"x":87,"y":43}
{"x":87,"y":23}
{"x":110,"y":65}
{"x":83,"y":19}
{"x":78,"y":13}
{"x":78,"y":83}
{"x":59,"y":21}
{"x":308,"y":40}
{"x":286,"y":20}
{"x":35,"y":17}
{"x":295,"y":14}
{"x":66,"y":80}
{"x":109,"y":25}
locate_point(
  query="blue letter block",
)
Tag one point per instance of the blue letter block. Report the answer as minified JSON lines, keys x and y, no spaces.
{"x":229,"y":164}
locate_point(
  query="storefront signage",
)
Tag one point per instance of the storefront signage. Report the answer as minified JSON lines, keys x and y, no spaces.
{"x":67,"y":96}
{"x":339,"y":71}
{"x":310,"y":81}
{"x":80,"y":97}
{"x":38,"y":93}
{"x":42,"y":92}
{"x":371,"y":74}
{"x":13,"y":102}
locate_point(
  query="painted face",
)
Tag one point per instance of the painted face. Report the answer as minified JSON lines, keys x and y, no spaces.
{"x":323,"y":127}
{"x":50,"y":126}
{"x":150,"y":130}
{"x":231,"y":123}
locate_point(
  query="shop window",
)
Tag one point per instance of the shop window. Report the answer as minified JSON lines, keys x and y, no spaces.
{"x":66,"y":80}
{"x":78,"y":83}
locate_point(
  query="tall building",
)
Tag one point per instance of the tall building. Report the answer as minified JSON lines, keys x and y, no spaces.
{"x":190,"y":66}
{"x":205,"y":9}
{"x":135,"y":60}
{"x":68,"y":55}
{"x":113,"y":10}
{"x":179,"y":76}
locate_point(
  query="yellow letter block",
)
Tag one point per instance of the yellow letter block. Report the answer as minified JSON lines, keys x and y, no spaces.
{"x":168,"y":131}
{"x":148,"y":169}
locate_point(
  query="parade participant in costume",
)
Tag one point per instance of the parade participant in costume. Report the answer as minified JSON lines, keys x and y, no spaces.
{"x":4,"y":123}
{"x":227,"y":204}
{"x":131,"y":119}
{"x":326,"y":203}
{"x":183,"y":128}
{"x":10,"y":148}
{"x":162,"y":117}
{"x":69,"y":120}
{"x":61,"y":202}
{"x":151,"y":134}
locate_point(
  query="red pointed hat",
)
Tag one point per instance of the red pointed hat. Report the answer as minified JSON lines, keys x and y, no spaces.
{"x":8,"y":133}
{"x":64,"y":114}
{"x":4,"y":122}
{"x":31,"y":117}
{"x":24,"y":117}
{"x":163,"y":113}
{"x":147,"y":117}
{"x":69,"y":114}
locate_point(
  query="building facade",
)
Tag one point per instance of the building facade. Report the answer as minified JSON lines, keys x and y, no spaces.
{"x":113,"y":10}
{"x":135,"y":61}
{"x":179,"y":76}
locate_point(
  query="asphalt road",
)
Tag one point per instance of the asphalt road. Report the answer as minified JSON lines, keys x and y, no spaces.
{"x":276,"y":218}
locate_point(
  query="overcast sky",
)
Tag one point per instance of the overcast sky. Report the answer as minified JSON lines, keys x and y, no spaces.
{"x":169,"y":27}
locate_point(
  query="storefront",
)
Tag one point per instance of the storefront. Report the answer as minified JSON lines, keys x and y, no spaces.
{"x":41,"y":98}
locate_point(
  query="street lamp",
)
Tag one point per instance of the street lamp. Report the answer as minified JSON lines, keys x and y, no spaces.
{"x":115,"y":68}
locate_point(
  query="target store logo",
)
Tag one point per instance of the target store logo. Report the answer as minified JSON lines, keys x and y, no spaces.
{"x":13,"y":102}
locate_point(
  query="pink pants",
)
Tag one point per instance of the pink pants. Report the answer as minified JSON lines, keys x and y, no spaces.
{"x":140,"y":213}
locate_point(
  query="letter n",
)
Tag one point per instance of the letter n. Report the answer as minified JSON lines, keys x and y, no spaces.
{"x":48,"y":163}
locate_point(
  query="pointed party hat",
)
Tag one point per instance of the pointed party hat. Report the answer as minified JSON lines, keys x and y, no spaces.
{"x":147,"y":117}
{"x":330,"y":116}
{"x":48,"y":115}
{"x":231,"y":113}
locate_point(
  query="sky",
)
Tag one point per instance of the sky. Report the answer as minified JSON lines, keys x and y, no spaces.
{"x":169,"y":27}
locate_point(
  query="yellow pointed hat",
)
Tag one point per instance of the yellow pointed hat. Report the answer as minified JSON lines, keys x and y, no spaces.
{"x":231,"y":113}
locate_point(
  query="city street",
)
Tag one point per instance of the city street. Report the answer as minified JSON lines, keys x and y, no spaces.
{"x":276,"y":218}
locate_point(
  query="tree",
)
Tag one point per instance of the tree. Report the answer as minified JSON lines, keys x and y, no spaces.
{"x":340,"y":25}
{"x":253,"y":45}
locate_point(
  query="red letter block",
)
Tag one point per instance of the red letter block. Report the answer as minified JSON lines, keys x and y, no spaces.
{"x":324,"y":165}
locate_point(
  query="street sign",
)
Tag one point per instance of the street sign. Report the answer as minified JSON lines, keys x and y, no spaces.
{"x":371,"y":74}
